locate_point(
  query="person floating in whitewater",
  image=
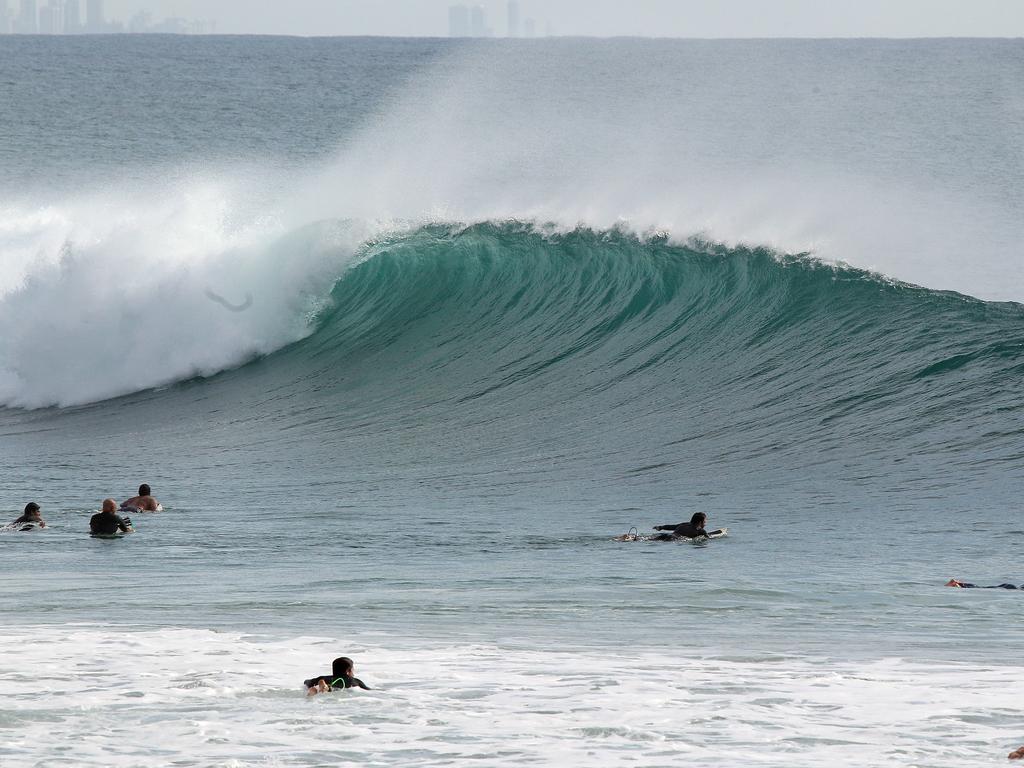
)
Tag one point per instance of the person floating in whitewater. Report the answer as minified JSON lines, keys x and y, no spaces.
{"x":341,"y":677}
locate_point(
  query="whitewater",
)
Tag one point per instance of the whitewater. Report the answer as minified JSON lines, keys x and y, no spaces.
{"x":404,"y":332}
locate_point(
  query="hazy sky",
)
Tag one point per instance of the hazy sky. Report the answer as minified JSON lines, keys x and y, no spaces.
{"x":671,"y":18}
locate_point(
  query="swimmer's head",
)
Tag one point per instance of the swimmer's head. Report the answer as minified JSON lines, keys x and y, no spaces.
{"x":31,"y":508}
{"x":698,"y":520}
{"x":109,"y":505}
{"x":343,"y":666}
{"x":144,"y":490}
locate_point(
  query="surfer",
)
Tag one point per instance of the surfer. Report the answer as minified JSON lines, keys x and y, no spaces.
{"x":968,"y":585}
{"x":144,"y":502}
{"x":690,"y":530}
{"x":341,"y":677}
{"x":108,"y":522}
{"x":31,"y":518}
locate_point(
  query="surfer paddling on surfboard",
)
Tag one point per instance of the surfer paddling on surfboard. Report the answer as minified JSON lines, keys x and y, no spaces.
{"x":342,"y":676}
{"x":968,"y":585}
{"x":144,"y":502}
{"x":695,"y":531}
{"x":32,"y":518}
{"x":690,"y":530}
{"x":107,"y":522}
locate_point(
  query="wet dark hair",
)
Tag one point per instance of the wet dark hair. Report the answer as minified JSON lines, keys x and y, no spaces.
{"x":343,"y":667}
{"x":31,"y":507}
{"x":698,"y":520}
{"x":144,"y":490}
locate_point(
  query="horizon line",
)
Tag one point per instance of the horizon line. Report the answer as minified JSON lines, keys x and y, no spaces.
{"x":496,"y":38}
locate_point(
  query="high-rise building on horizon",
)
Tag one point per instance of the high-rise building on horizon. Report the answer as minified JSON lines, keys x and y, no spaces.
{"x":94,"y":21}
{"x":458,"y":21}
{"x":513,"y":18}
{"x":529,"y":28}
{"x":5,"y":18}
{"x":72,"y":17}
{"x":51,"y":18}
{"x":28,"y":18}
{"x":477,"y":21}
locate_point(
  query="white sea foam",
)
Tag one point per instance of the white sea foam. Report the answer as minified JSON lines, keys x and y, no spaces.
{"x":497,"y":135}
{"x":90,"y":696}
{"x":105,"y":295}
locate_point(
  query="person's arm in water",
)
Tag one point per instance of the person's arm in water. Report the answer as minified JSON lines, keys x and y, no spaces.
{"x":314,"y":683}
{"x":667,"y":527}
{"x":124,"y":525}
{"x":357,"y":682}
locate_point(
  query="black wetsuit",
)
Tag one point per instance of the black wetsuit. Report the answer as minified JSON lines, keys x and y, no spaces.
{"x":27,"y":522}
{"x":336,"y":683}
{"x":106,"y":524}
{"x":965,"y":585}
{"x":685,"y":530}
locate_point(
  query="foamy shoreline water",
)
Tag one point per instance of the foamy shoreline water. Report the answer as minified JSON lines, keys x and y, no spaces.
{"x":94,"y":696}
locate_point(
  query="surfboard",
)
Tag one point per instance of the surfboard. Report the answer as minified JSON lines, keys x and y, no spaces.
{"x":12,"y":527}
{"x":718,"y":533}
{"x":134,"y":510}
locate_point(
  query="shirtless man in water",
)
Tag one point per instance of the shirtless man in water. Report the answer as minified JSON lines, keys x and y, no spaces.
{"x":144,"y":502}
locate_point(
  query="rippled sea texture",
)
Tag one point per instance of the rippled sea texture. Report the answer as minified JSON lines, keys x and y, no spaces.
{"x":403,"y":333}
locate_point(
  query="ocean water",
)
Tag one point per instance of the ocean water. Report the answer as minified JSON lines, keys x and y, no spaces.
{"x":404,"y":332}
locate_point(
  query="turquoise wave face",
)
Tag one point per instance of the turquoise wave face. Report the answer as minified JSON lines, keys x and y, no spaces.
{"x":624,"y":360}
{"x":786,"y":349}
{"x":482,"y":409}
{"x":617,"y":360}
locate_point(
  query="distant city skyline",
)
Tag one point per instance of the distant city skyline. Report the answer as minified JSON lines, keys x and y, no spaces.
{"x":471,"y":20}
{"x":64,"y":17}
{"x":526,"y":18}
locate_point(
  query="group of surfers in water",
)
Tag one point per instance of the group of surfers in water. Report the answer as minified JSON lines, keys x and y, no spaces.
{"x":108,"y":522}
{"x":112,"y":519}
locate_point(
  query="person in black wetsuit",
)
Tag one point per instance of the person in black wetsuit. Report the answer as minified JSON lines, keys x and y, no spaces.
{"x":690,"y":530}
{"x":341,"y":677}
{"x":108,"y":522}
{"x":32,"y":517}
{"x":968,"y":585}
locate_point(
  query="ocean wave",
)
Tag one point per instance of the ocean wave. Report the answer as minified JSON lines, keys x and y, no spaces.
{"x":497,"y":307}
